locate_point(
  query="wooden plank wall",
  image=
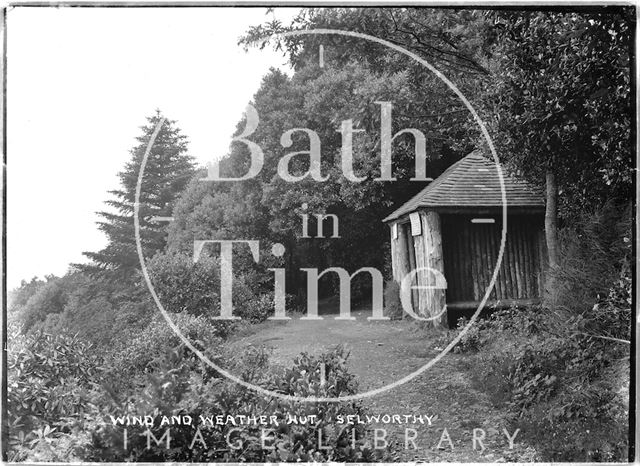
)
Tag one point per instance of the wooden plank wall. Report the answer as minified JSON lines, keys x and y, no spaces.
{"x":471,"y":252}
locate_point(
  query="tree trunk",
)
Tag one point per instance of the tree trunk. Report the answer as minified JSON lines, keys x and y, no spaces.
{"x":551,"y":220}
{"x":432,"y":294}
{"x":551,"y":234}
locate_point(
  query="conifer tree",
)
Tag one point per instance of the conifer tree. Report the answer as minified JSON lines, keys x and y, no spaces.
{"x":168,"y":169}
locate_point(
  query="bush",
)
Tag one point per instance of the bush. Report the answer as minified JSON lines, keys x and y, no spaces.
{"x":250,"y":304}
{"x":185,"y":286}
{"x":555,"y":381}
{"x":49,"y":389}
{"x":593,"y":251}
{"x":135,"y":356}
{"x":472,"y":340}
{"x":47,"y":376}
{"x":175,"y":389}
{"x":519,"y":320}
{"x":98,"y":309}
{"x":611,"y":315}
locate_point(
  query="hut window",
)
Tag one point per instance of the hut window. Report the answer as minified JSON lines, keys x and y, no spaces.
{"x":416,"y":229}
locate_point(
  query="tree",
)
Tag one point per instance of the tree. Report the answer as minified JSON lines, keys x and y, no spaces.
{"x":554,"y":86}
{"x":19,"y":296}
{"x":48,"y":298}
{"x":456,"y":42}
{"x":563,"y":108}
{"x":169,"y":168}
{"x":357,"y":73}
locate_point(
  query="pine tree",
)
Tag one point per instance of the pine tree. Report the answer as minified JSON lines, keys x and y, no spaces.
{"x":169,"y":168}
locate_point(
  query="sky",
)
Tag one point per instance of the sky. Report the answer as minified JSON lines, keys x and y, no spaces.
{"x":80,"y":82}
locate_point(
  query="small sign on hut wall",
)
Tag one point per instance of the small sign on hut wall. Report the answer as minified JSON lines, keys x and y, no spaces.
{"x":416,"y":227}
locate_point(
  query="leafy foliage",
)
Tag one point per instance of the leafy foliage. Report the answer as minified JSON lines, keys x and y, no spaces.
{"x":136,"y":354}
{"x":175,"y":389}
{"x":49,"y":384}
{"x":562,"y":387}
{"x":18,"y":297}
{"x":185,"y":286}
{"x":58,"y":412}
{"x":594,"y":251}
{"x":46,"y":299}
{"x":98,"y":309}
{"x":562,"y":101}
{"x":269,"y":209}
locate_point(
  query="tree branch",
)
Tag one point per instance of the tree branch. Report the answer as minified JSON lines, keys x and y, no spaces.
{"x":619,"y":340}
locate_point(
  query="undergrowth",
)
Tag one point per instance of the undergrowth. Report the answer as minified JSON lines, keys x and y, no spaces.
{"x":561,"y":370}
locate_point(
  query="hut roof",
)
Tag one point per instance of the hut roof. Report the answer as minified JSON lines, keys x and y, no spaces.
{"x":472,"y":182}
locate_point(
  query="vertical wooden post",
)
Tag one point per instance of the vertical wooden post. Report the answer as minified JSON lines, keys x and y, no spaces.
{"x":399,"y":254}
{"x":432,"y":291}
{"x":394,"y":251}
{"x":411,"y":262}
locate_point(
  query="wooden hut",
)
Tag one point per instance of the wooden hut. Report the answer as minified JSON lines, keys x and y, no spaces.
{"x":454,"y":227}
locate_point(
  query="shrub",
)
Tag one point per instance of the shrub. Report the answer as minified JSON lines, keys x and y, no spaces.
{"x":97,"y":308}
{"x":258,"y":309}
{"x":185,"y":286}
{"x":555,"y":381}
{"x":47,"y":376}
{"x":135,"y":356}
{"x":593,"y":250}
{"x":521,"y":321}
{"x":471,"y":340}
{"x":611,"y":315}
{"x":175,"y":389}
{"x":249,"y":303}
{"x":49,"y":384}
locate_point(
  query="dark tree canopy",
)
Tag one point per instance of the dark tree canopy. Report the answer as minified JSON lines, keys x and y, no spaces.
{"x":562,"y":102}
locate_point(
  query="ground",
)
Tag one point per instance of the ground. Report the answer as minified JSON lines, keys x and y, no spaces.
{"x":383,"y":352}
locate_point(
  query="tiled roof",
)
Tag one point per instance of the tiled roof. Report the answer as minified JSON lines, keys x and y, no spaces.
{"x":472,"y":182}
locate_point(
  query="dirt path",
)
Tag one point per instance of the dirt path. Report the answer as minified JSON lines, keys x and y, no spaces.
{"x":383,"y":352}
